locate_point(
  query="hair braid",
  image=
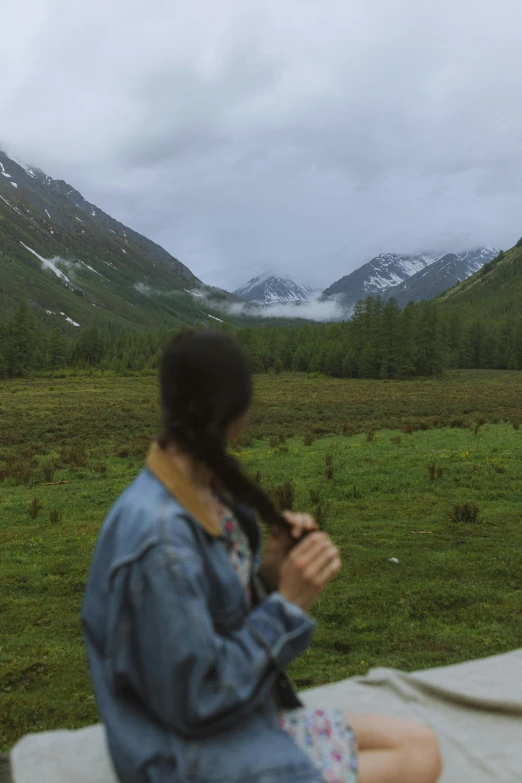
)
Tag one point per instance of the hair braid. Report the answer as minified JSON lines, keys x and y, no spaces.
{"x":209,"y":449}
{"x":206,"y":384}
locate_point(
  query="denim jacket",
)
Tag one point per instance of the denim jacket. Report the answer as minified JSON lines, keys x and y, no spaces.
{"x":188,"y":678}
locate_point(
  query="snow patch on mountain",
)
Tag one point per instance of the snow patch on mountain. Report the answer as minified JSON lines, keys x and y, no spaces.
{"x":47,"y":264}
{"x":269,"y":289}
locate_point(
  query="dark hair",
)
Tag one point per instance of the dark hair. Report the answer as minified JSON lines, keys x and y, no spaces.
{"x":206,"y":383}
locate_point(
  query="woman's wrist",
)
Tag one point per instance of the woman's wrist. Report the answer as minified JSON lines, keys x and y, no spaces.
{"x":268,"y":577}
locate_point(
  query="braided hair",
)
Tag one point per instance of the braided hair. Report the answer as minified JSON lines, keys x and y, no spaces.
{"x":205,"y":384}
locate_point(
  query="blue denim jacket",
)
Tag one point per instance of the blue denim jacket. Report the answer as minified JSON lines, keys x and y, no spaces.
{"x":187,"y":677}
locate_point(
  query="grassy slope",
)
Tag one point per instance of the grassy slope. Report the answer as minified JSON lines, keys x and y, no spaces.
{"x":494,"y":294}
{"x":454,"y":595}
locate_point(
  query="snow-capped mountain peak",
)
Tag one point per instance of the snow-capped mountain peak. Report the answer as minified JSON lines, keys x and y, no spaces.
{"x":379,"y":274}
{"x":268,"y":289}
{"x":441,"y":275}
{"x":390,"y":274}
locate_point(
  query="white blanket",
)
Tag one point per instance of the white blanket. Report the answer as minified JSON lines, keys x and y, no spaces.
{"x":475,"y":709}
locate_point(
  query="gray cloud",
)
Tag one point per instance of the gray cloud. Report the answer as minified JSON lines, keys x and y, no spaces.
{"x":303,"y":136}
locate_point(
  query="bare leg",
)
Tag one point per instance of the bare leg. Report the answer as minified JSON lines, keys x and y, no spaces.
{"x":395,"y":750}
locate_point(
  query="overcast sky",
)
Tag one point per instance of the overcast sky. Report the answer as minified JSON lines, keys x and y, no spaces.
{"x":305,"y":136}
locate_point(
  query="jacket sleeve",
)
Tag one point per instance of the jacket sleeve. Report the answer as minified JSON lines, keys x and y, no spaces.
{"x":166,"y":649}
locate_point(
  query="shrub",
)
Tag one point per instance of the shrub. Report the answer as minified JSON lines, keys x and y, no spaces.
{"x":282,"y":437}
{"x":246,"y":441}
{"x":21,"y":472}
{"x":328,"y":459}
{"x":515,"y":422}
{"x":123,"y":452}
{"x":285,"y":494}
{"x":480,"y":423}
{"x":464,"y":512}
{"x":315,"y":495}
{"x":257,"y":477}
{"x":459,"y":423}
{"x":308,"y":438}
{"x":349,"y":430}
{"x":73,"y":456}
{"x":435,"y":471}
{"x":34,"y":507}
{"x":408,"y":427}
{"x":370,"y":434}
{"x":321,"y":512}
{"x":397,"y":439}
{"x":100,"y":467}
{"x":55,"y":515}
{"x":273,"y":441}
{"x":330,"y":470}
{"x":48,"y":469}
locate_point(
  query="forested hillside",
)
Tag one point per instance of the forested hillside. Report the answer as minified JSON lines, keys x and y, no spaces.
{"x":478,"y":324}
{"x":380,"y":341}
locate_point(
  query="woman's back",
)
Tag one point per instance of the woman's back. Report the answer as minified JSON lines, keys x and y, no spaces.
{"x":197,"y":678}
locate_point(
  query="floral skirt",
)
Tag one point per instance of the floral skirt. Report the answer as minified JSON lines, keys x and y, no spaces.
{"x":327,"y":739}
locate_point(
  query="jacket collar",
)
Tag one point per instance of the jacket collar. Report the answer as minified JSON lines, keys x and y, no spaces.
{"x":161,"y":464}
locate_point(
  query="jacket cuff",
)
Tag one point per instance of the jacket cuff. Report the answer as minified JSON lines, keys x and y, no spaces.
{"x":283,"y":629}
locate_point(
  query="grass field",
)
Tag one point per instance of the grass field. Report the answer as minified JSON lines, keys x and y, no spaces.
{"x":412,"y":452}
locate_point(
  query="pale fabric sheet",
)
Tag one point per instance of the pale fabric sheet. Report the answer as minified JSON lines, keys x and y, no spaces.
{"x":475,"y":709}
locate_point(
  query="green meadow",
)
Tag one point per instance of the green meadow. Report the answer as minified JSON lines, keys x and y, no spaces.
{"x":426,"y":472}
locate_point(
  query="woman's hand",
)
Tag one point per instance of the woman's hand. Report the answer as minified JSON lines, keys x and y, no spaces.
{"x":279,"y":542}
{"x":308,"y":568}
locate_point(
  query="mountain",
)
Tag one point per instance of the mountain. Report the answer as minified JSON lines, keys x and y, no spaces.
{"x":75,"y":263}
{"x":374,"y":277}
{"x":441,"y":275}
{"x":494,"y":292}
{"x":267,"y":289}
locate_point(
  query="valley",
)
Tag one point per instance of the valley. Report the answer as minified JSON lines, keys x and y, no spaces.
{"x":414,"y":476}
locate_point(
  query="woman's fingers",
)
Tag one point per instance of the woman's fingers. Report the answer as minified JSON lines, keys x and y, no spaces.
{"x":321,"y":561}
{"x":309,"y":567}
{"x":311,"y":545}
{"x":300,"y":523}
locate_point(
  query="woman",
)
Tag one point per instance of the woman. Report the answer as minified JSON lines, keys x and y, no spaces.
{"x":189,"y":632}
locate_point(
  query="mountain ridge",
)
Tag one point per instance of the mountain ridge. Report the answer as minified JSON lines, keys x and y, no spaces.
{"x":406,"y":277}
{"x":441,"y":275}
{"x":375,"y":276}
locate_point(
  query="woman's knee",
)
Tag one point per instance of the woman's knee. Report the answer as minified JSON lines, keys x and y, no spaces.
{"x":423,"y":743}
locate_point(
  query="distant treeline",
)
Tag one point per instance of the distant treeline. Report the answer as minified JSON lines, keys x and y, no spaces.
{"x":379,"y":341}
